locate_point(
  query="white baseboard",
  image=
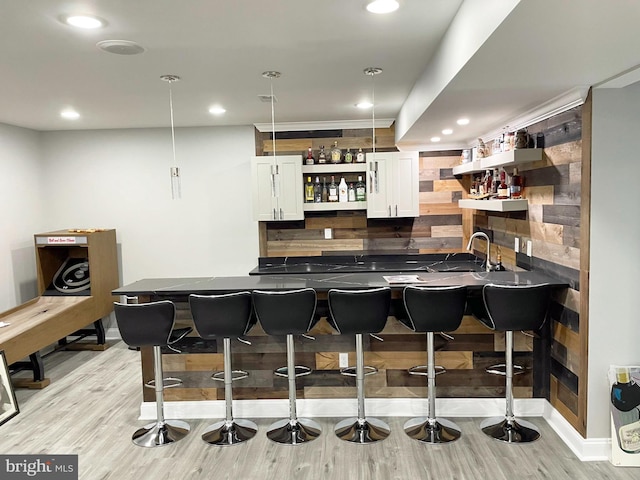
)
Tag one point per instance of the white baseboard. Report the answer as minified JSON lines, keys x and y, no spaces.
{"x":590,"y":449}
{"x":112,"y":333}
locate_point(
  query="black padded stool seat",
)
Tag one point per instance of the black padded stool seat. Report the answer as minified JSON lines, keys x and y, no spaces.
{"x":429,"y":310}
{"x":150,"y":325}
{"x":289,"y":312}
{"x":507,"y":308}
{"x":225,"y":316}
{"x":360,"y":312}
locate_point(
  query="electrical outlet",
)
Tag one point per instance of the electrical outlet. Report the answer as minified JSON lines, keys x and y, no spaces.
{"x":516,"y":246}
{"x":343,"y":360}
{"x":529,"y":248}
{"x":328,"y":234}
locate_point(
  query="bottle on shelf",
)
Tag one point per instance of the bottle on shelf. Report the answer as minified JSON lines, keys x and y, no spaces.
{"x":515,"y":189}
{"x":317,"y":191}
{"x":348,"y":157}
{"x":503,"y":188}
{"x":343,"y":191}
{"x":322,"y":157}
{"x":336,"y":153}
{"x":498,"y":266}
{"x":309,"y":159}
{"x":625,"y":399}
{"x":308,"y":191}
{"x":333,"y":190}
{"x":351,"y":193}
{"x":360,"y":156}
{"x":325,"y":191}
{"x":361,"y":190}
{"x":495,"y":183}
{"x":486,"y":183}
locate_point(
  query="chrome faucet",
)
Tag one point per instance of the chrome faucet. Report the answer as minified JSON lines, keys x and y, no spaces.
{"x":486,"y":237}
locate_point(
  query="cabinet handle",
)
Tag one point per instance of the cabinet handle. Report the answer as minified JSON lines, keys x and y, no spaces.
{"x":389,"y":210}
{"x":274,"y":214}
{"x":281,"y":215}
{"x":396,"y":210}
{"x":377,"y":189}
{"x":273,"y":185}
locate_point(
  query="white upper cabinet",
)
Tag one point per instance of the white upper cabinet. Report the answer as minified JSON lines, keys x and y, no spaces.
{"x":276,"y":188}
{"x":392,"y":185}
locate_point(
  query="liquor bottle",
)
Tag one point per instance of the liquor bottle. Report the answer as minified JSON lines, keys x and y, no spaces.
{"x":499,"y":267}
{"x":348,"y":157}
{"x":360,"y":156}
{"x":625,"y":398}
{"x":336,"y":153}
{"x":495,"y":183}
{"x":322,"y":157}
{"x":325,"y":191}
{"x":503,"y":188}
{"x":308,"y":191}
{"x":309,"y":159}
{"x":361,"y":190}
{"x":317,"y":191}
{"x":333,"y":190}
{"x":351,"y":193}
{"x":515,"y":189}
{"x":487,"y":182}
{"x":343,"y":191}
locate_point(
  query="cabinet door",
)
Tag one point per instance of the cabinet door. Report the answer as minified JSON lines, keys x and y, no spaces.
{"x":263,"y":188}
{"x":289,"y":188}
{"x":378,"y":185}
{"x":405,"y":185}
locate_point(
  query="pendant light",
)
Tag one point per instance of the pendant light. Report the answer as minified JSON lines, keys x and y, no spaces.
{"x":271,"y":74}
{"x":174,"y":171}
{"x":372,"y":72}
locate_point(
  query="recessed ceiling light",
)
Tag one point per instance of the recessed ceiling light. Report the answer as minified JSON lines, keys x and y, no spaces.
{"x":84,"y":21}
{"x":463,"y":121}
{"x":447,"y":131}
{"x":217,"y":110}
{"x":364,"y":105}
{"x":435,"y":139}
{"x":383,"y":6}
{"x":70,"y":114}
{"x":120,"y":47}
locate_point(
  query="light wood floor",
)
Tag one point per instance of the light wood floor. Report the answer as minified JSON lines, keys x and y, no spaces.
{"x":91,"y":407}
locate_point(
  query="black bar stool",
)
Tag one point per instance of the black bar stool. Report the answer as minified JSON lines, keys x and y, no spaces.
{"x":432,"y":309}
{"x":225,"y":316}
{"x":150,"y":325}
{"x":290,"y":312}
{"x":359,"y":312}
{"x":507,"y":308}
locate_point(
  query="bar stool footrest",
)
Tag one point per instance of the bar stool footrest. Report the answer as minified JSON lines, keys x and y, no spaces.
{"x":301,"y":371}
{"x":168,"y":382}
{"x":351,"y":371}
{"x":423,"y":370}
{"x":235,"y":375}
{"x":501,"y":369}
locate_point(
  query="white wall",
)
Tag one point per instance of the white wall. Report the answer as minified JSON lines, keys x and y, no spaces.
{"x":614,"y":321}
{"x":20,"y":214}
{"x":120,"y":179}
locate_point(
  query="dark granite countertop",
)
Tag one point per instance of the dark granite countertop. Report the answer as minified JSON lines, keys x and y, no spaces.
{"x":427,"y":263}
{"x":322,"y":282}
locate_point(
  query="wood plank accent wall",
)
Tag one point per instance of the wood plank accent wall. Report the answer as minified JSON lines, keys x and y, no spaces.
{"x":555,"y":222}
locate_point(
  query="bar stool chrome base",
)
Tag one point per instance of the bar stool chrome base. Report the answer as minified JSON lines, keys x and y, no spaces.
{"x":225,"y":433}
{"x":438,"y":430}
{"x":294,"y":432}
{"x":514,"y":431}
{"x":356,"y":431}
{"x":158,"y":434}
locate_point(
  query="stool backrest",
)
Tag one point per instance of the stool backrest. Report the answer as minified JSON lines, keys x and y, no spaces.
{"x":359,"y":311}
{"x":226,"y":315}
{"x":434,"y":309}
{"x":521,"y":307}
{"x":285,"y":312}
{"x":145,"y":324}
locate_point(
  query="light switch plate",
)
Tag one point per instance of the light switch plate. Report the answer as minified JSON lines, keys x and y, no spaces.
{"x":529,"y":248}
{"x":328,"y":234}
{"x":516,"y":246}
{"x":343,"y":360}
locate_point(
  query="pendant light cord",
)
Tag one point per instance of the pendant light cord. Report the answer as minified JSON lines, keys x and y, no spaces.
{"x":173,"y":134}
{"x":273,"y":121}
{"x":373,"y":113}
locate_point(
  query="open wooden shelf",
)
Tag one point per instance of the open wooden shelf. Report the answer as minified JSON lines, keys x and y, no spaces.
{"x":495,"y":205}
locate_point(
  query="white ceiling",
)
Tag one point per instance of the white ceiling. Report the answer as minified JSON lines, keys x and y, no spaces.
{"x":491,"y":60}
